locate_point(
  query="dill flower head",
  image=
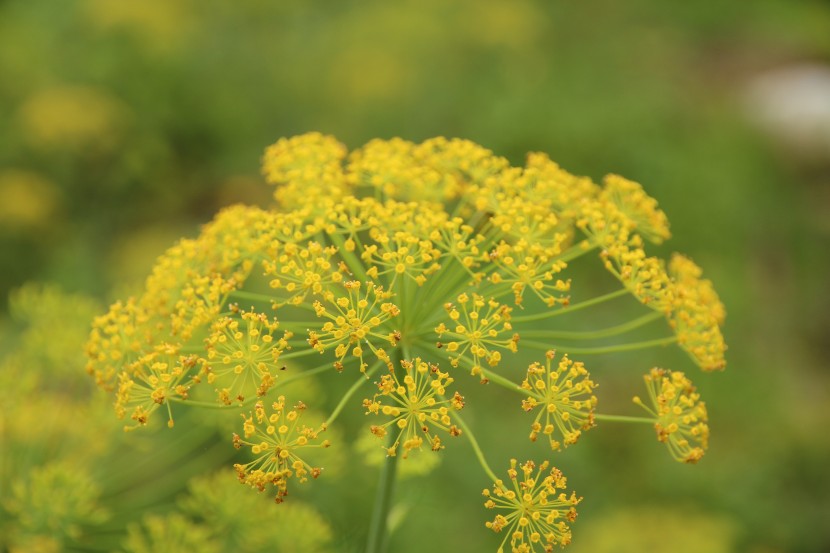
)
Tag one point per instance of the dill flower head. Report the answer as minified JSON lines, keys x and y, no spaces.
{"x":564,"y":395}
{"x":415,"y":406}
{"x":533,"y":509}
{"x":244,"y":353}
{"x":276,"y":439}
{"x":410,"y":266}
{"x":479,"y":329}
{"x":697,"y":315}
{"x":680,"y":415}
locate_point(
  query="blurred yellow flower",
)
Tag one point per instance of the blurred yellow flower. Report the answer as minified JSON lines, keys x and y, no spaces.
{"x":72,"y":117}
{"x":26,"y":199}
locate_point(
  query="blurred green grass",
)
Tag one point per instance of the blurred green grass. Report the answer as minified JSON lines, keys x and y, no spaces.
{"x":128,"y":124}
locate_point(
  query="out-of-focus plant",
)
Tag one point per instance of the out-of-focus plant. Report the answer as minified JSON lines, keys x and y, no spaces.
{"x":657,"y":529}
{"x":408,"y":266}
{"x":69,"y":481}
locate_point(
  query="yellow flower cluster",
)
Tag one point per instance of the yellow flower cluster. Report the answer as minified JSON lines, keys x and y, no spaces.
{"x":565,"y":394}
{"x":276,"y":439}
{"x":154,"y":379}
{"x":680,"y":416}
{"x":410,"y":256}
{"x":480,"y":327}
{"x":697,"y":315}
{"x":311,"y":160}
{"x":415,"y":405}
{"x":536,"y":508}
{"x":243,"y":354}
{"x":353,"y":319}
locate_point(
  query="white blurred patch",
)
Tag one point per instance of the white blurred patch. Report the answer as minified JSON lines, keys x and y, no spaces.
{"x":792,"y":105}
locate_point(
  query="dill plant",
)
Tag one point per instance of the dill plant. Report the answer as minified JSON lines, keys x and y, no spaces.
{"x":413,"y":270}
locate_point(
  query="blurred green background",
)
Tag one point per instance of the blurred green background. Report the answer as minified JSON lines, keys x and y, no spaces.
{"x":126,"y":124}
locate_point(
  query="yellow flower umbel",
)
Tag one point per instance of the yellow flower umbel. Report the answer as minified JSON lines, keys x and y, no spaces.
{"x":352,"y":320}
{"x":243,"y":353}
{"x":565,"y":394}
{"x":415,"y":405}
{"x":382,"y":265}
{"x":697,"y":314}
{"x":276,"y":439}
{"x":680,"y":416}
{"x":476,"y":332}
{"x":152,"y":381}
{"x":533,"y":508}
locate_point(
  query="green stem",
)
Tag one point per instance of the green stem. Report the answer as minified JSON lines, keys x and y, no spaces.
{"x":622,"y":418}
{"x":443,"y":288}
{"x":571,"y":308}
{"x":298,"y":353}
{"x":601,"y":350}
{"x":383,"y":501}
{"x":378,"y":531}
{"x":500,"y":380}
{"x":351,"y":391}
{"x":211,"y":405}
{"x":591,"y":335}
{"x":242,"y":294}
{"x":303,"y":373}
{"x":476,"y":447}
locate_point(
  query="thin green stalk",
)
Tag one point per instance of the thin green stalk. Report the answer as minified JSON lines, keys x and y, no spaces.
{"x":327,"y":366}
{"x":210,"y":404}
{"x":351,"y":391}
{"x":496,"y":378}
{"x":298,"y":353}
{"x":443,"y":289}
{"x":383,"y":502}
{"x":592,"y":335}
{"x":571,"y":308}
{"x":622,"y":418}
{"x":476,"y":447}
{"x":601,"y":350}
{"x":254,"y":296}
